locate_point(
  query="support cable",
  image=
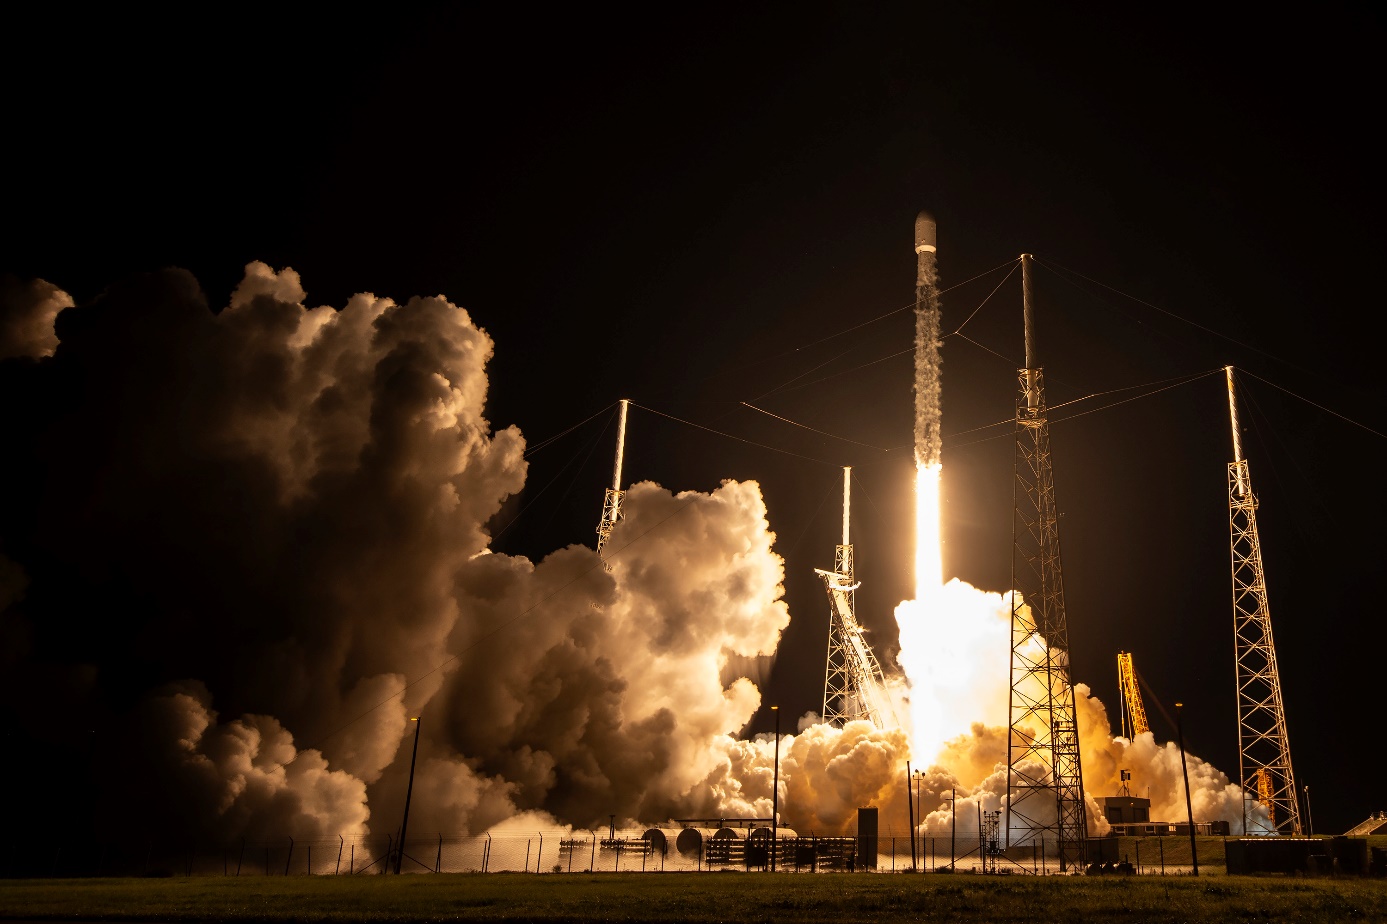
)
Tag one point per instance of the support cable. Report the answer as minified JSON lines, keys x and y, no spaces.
{"x":811,"y":429}
{"x":557,"y":436}
{"x":1208,"y":330}
{"x":1243,"y":371}
{"x":729,"y":436}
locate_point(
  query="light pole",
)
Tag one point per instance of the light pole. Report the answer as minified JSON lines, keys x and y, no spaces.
{"x":919,"y":817}
{"x":409,"y":793}
{"x":910,"y":812}
{"x":953,"y":825}
{"x":775,"y":793}
{"x":1309,"y":819}
{"x":1189,"y":807}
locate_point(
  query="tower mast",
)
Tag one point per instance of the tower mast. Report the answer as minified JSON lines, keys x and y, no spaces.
{"x":854,"y":687}
{"x":611,"y":502}
{"x":1263,"y":748}
{"x":1044,"y":778}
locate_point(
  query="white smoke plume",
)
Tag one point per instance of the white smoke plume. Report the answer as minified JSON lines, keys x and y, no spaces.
{"x":954,"y":658}
{"x":292,"y":504}
{"x":27,"y":313}
{"x":315,"y":484}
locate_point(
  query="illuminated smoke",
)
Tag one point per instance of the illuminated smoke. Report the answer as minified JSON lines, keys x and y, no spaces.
{"x":293,"y":510}
{"x":954,"y":657}
{"x":27,"y":313}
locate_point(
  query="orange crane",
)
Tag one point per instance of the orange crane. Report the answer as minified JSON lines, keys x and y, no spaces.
{"x":1133,"y":712}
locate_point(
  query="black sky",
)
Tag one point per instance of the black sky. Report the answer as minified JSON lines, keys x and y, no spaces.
{"x":676,"y":210}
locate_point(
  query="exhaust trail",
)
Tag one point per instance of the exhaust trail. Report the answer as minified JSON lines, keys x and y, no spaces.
{"x":929,"y":568}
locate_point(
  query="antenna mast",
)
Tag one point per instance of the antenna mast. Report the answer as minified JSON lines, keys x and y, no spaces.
{"x":1263,"y":748}
{"x":611,"y":503}
{"x":1045,"y":782}
{"x":854,"y":687}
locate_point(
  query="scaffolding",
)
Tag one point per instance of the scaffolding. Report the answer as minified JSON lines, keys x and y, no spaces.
{"x":1045,"y":791}
{"x":1263,"y":748}
{"x":854,"y":686}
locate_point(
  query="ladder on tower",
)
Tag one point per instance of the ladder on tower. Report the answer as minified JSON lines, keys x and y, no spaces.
{"x":1263,"y":746}
{"x":854,"y":686}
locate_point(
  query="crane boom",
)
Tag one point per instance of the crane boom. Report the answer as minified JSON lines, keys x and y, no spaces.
{"x":1133,"y":712}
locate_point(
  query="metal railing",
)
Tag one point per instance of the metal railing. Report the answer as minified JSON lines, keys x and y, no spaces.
{"x":551,"y":852}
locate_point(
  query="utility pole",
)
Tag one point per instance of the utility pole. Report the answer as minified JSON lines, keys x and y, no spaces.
{"x":1189,"y":806}
{"x":775,"y":794}
{"x":409,"y":793}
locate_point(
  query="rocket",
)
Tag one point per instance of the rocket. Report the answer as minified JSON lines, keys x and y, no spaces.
{"x":928,"y":410}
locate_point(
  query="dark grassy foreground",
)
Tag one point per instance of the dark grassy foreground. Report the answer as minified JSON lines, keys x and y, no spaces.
{"x":695,"y":897}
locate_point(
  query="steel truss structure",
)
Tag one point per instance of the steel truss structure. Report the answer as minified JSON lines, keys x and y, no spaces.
{"x":1045,"y":785}
{"x":611,"y":501}
{"x":1263,"y":747}
{"x":854,"y":686}
{"x":1133,"y":711}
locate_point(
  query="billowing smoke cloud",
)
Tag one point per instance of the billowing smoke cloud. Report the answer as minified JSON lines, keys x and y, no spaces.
{"x":243,"y":547}
{"x":959,"y":707}
{"x":27,"y":312}
{"x":291,"y":503}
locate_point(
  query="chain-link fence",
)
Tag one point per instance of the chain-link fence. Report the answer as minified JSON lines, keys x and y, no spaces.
{"x":657,"y":850}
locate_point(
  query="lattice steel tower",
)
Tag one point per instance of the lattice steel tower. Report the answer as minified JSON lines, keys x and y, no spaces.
{"x":1264,"y":751}
{"x":1045,"y":783}
{"x":611,"y":502}
{"x":854,"y":687}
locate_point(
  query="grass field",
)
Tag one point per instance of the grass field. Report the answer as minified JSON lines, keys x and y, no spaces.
{"x":694,"y":897}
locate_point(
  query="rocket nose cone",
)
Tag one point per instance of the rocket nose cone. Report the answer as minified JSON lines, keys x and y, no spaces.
{"x":924,"y":232}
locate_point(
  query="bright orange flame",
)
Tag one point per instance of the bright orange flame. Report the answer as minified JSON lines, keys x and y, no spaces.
{"x":929,"y":558}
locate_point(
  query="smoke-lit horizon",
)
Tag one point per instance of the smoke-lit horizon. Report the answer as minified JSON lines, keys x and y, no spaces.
{"x":252,"y":542}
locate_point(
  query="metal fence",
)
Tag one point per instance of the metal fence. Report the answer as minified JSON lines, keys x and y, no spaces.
{"x":591,"y":852}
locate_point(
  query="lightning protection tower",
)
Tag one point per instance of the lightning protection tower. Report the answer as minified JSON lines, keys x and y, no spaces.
{"x":854,"y":687}
{"x":1133,"y":712}
{"x":1045,"y":782}
{"x":1264,"y":751}
{"x":611,"y":503}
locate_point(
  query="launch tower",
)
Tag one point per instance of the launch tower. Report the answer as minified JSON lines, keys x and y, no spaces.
{"x":611,"y":503}
{"x":1264,"y":751}
{"x":854,"y":687}
{"x":1044,"y":778}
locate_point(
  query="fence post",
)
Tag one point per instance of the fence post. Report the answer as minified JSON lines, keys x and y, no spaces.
{"x":290,"y":857}
{"x":438,"y":861}
{"x":539,"y":855}
{"x":592,"y":861}
{"x":341,"y":842}
{"x":239,"y":857}
{"x":486,"y":854}
{"x":1160,"y":842}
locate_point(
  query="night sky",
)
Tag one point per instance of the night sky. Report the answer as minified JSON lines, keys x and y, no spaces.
{"x":681,"y":210}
